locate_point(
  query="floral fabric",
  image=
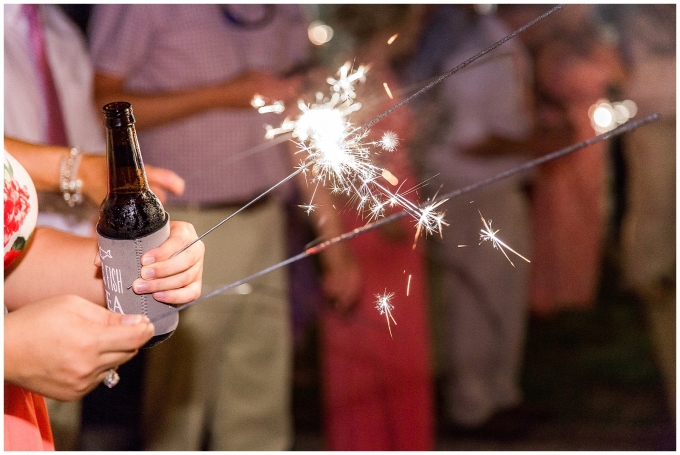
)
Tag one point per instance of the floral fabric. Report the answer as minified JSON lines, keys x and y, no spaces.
{"x":20,"y":209}
{"x":26,"y":423}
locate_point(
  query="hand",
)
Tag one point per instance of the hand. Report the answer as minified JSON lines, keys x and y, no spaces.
{"x":161,"y":181}
{"x":341,"y":281}
{"x":94,"y":174}
{"x":175,"y":280}
{"x":239,"y":91}
{"x":63,"y":346}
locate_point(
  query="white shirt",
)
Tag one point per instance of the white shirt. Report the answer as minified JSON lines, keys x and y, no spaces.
{"x":24,"y":106}
{"x":484,"y":99}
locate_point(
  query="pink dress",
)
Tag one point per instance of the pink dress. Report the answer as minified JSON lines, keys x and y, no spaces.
{"x":568,"y":226}
{"x":377,"y":387}
{"x":27,"y":425}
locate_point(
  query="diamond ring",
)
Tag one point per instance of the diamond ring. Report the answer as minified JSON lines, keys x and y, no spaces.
{"x":111,"y":378}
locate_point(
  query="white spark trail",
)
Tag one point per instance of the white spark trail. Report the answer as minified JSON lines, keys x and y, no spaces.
{"x":384,"y":306}
{"x":489,"y":234}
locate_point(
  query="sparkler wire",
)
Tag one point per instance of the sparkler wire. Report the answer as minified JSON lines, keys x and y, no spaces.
{"x":626,"y":127}
{"x":461,"y":66}
{"x":368,"y":125}
{"x":244,"y":154}
{"x":290,"y":176}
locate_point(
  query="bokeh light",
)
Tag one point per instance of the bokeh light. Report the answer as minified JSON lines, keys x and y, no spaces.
{"x":319,"y":33}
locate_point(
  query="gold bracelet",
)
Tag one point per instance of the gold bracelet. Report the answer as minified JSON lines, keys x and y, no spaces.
{"x":71,"y":187}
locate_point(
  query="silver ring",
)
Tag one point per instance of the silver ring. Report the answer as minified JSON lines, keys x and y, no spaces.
{"x":111,"y":378}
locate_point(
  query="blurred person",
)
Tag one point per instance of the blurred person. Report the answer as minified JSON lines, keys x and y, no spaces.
{"x":222,"y":382}
{"x":477,"y":124}
{"x":376,"y":379}
{"x":648,"y":35}
{"x":49,"y":99}
{"x":59,"y":341}
{"x":569,"y":196}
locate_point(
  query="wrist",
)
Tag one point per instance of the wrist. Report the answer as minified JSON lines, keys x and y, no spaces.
{"x":70,"y":185}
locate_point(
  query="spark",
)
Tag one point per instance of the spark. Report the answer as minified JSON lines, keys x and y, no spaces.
{"x":262,"y":107}
{"x":384,"y":306}
{"x":389,"y":141}
{"x":392,"y":38}
{"x":387,"y":89}
{"x":318,"y":248}
{"x":488,"y":234}
{"x":430,"y":221}
{"x":337,"y":154}
{"x":387,"y":175}
{"x":408,"y":285}
{"x":308,"y":207}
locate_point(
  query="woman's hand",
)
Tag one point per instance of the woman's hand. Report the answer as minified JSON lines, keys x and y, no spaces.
{"x":175,"y":280}
{"x":63,"y":346}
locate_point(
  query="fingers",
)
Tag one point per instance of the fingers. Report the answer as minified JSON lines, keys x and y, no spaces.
{"x":171,"y":279}
{"x":181,"y":235}
{"x":113,"y":332}
{"x":164,"y":180}
{"x":174,"y":288}
{"x":123,"y":335}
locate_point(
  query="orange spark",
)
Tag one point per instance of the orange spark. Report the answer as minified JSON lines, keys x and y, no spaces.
{"x":387,"y":89}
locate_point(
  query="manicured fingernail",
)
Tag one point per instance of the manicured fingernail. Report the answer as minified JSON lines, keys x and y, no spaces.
{"x":141,"y":288}
{"x":148,"y":260}
{"x":148,"y":272}
{"x":130,"y":319}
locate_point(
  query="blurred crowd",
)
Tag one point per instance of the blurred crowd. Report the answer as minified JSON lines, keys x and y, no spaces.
{"x":223,"y":381}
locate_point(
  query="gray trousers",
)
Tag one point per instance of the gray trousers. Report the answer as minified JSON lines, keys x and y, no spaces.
{"x":224,"y":376}
{"x":483,"y":303}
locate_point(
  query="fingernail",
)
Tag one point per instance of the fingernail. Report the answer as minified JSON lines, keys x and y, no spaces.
{"x":130,"y":319}
{"x":159,"y":295}
{"x":148,"y":260}
{"x":148,"y":272}
{"x":141,"y":288}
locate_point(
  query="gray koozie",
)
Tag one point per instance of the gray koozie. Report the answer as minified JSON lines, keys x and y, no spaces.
{"x":121,"y":266}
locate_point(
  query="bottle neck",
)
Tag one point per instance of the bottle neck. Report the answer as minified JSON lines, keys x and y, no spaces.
{"x":126,"y":169}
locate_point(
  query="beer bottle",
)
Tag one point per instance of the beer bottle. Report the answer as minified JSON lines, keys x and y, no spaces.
{"x":132,"y":220}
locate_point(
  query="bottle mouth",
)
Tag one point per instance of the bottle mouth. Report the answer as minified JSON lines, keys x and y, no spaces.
{"x":118,"y":113}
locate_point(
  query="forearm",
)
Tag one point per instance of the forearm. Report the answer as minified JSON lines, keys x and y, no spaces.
{"x":54,"y":263}
{"x":152,"y":110}
{"x":325,"y":220}
{"x":42,"y":162}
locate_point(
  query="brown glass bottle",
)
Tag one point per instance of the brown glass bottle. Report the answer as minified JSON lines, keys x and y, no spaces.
{"x":132,"y":220}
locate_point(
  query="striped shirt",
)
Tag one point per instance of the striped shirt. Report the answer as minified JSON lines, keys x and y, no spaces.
{"x":169,"y":47}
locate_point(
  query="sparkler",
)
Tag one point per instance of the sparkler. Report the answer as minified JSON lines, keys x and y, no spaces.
{"x":384,"y":306}
{"x":342,"y":168}
{"x":630,"y":126}
{"x":490,"y":235}
{"x":337,"y":155}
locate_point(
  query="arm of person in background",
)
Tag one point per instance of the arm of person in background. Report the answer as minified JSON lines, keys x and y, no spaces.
{"x":42,"y":163}
{"x":341,"y":281}
{"x":67,"y":264}
{"x":157,"y":109}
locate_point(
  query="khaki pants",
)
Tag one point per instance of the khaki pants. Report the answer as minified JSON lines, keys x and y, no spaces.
{"x":223,"y":380}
